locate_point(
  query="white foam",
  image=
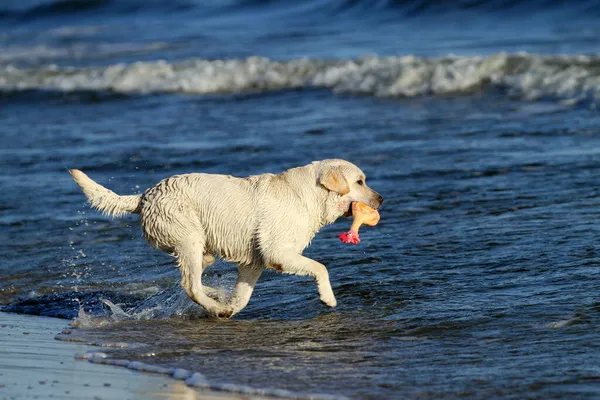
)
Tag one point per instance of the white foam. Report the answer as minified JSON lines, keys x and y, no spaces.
{"x":109,"y":361}
{"x":90,"y":354}
{"x":181,"y":374}
{"x":140,"y":366}
{"x":570,"y":78}
{"x":198,"y":380}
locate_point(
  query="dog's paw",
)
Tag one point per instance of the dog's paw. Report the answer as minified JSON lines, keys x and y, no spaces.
{"x":225,"y":314}
{"x":329,"y":300}
{"x":221,"y":312}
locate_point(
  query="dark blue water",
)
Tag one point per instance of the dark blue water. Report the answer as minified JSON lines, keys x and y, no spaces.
{"x":476,"y":120}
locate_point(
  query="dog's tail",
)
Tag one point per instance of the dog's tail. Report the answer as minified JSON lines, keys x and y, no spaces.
{"x":106,"y":200}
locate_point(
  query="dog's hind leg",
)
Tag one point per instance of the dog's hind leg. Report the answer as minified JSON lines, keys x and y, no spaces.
{"x":190,"y":256}
{"x":247,"y":277}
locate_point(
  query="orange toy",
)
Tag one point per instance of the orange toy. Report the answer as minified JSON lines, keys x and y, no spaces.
{"x":363,"y":215}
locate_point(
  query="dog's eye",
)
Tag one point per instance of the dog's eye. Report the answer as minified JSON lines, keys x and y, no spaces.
{"x":360,"y":182}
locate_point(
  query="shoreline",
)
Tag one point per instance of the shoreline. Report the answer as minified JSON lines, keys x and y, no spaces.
{"x":33,"y":364}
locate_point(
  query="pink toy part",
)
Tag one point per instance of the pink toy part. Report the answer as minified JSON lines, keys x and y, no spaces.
{"x":349,"y":237}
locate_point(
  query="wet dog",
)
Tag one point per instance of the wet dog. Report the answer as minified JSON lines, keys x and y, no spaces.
{"x":262,"y":221}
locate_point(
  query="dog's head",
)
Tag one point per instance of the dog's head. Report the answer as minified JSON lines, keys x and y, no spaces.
{"x":347,"y":183}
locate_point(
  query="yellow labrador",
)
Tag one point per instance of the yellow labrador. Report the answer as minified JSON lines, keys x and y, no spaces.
{"x":262,"y":221}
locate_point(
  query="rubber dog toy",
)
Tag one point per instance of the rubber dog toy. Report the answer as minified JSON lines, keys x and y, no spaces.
{"x":362,"y":214}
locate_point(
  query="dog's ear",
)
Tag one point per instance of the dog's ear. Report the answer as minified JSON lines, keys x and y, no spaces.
{"x":333,"y":179}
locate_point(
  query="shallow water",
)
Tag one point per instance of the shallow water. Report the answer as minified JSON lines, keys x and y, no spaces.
{"x":482,"y":278}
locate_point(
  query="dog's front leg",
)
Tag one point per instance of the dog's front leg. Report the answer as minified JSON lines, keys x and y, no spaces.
{"x":297,"y":264}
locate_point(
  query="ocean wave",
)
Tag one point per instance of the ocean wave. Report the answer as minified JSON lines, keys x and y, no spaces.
{"x":569,"y":78}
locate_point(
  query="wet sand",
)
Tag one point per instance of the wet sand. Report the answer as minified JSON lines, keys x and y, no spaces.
{"x":33,"y":365}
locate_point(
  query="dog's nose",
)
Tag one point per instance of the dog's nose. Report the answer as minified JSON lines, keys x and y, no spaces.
{"x":380,"y":199}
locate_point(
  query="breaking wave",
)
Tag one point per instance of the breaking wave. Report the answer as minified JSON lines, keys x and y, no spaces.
{"x":569,"y":78}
